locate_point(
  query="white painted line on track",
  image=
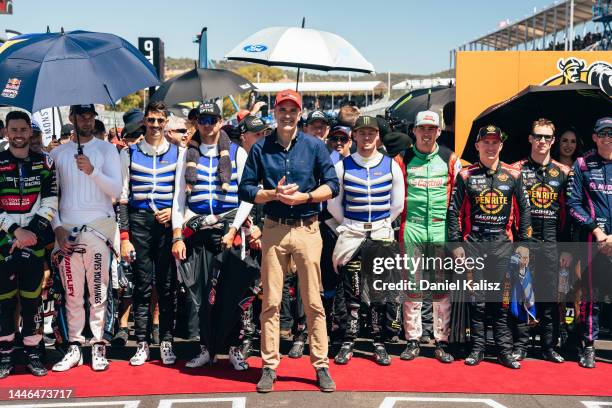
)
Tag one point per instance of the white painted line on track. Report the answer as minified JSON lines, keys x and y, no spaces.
{"x":596,"y":404}
{"x":237,"y":402}
{"x":124,"y":404}
{"x":389,"y":402}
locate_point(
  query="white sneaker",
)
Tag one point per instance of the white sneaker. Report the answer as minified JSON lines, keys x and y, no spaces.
{"x":142,"y":354}
{"x":98,"y":357}
{"x":237,"y":359}
{"x":72,"y":358}
{"x":167,"y":354}
{"x":202,"y":358}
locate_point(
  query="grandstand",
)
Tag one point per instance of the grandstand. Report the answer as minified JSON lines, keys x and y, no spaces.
{"x":552,"y":28}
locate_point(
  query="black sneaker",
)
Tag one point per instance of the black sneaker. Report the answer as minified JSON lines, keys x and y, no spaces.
{"x":442,"y":355}
{"x":507,"y":360}
{"x":345,"y":353}
{"x":266,"y":382}
{"x":411,"y":351}
{"x":121,"y":337}
{"x":587,"y":357}
{"x":552,"y":356}
{"x":297,"y":349}
{"x":6,"y":363}
{"x":381,"y":356}
{"x":33,"y":362}
{"x":474,"y":358}
{"x":247,"y":348}
{"x":326,"y":384}
{"x":519,"y":354}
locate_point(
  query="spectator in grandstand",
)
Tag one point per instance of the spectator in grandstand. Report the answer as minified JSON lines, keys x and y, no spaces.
{"x":88,"y":177}
{"x":317,"y":124}
{"x":568,"y":149}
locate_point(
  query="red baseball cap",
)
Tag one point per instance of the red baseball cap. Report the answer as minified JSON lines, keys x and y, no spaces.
{"x":289,"y":95}
{"x":242,"y":114}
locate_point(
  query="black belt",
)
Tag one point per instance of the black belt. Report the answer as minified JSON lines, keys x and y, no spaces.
{"x":294,"y":222}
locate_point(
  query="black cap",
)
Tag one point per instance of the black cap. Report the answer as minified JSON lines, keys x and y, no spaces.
{"x":80,"y":109}
{"x":490,"y":130}
{"x":252,"y":124}
{"x":317,"y":115}
{"x":66,"y":129}
{"x":210,"y":109}
{"x":133,"y":120}
{"x":366,"y":122}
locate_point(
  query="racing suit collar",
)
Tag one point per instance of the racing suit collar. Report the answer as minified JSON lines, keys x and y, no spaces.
{"x":489,"y":171}
{"x":425,"y":156}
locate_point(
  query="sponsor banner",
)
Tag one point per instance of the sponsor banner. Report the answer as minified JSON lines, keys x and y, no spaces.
{"x":44,"y":118}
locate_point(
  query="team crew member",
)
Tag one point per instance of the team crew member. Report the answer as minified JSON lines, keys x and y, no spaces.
{"x":88,"y":180}
{"x":429,"y":173}
{"x":339,"y":142}
{"x":487,"y":198}
{"x":317,"y":124}
{"x":297,"y":175}
{"x":371,"y":196}
{"x":149,"y":170}
{"x":206,"y":212}
{"x":589,"y":198}
{"x":545,"y":181}
{"x":28,"y":202}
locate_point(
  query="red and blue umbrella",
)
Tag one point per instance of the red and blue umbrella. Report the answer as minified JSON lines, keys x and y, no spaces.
{"x":42,"y":70}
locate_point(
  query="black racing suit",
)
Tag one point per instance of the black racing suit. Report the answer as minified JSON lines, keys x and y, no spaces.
{"x":484,"y":206}
{"x":28,"y":199}
{"x":545,"y":185}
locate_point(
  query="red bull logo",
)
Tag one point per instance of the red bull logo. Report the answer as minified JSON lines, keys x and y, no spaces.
{"x":11,"y":89}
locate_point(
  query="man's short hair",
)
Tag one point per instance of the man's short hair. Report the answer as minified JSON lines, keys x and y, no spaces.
{"x":1,"y":124}
{"x":16,"y":115}
{"x":175,"y":122}
{"x":99,"y":127}
{"x":543,"y":122}
{"x":448,"y":113}
{"x":193,"y":114}
{"x":347,"y":115}
{"x":156,"y":106}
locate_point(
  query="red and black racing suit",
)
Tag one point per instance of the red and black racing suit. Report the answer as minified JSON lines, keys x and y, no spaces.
{"x":545,"y":185}
{"x":484,"y":206}
{"x":28,"y":199}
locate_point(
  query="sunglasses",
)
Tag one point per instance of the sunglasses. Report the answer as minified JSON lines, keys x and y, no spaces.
{"x":336,"y":139}
{"x":208,"y":120}
{"x":546,"y":138}
{"x":179,"y":130}
{"x":601,"y":135}
{"x":153,"y":121}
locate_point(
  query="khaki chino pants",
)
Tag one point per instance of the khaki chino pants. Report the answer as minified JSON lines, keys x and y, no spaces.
{"x":280,"y":244}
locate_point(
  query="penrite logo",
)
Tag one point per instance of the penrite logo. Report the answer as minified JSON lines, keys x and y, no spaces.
{"x":572,"y":70}
{"x":491,"y":201}
{"x":542,"y":195}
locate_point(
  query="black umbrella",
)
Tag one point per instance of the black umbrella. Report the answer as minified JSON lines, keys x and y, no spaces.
{"x":201,"y":84}
{"x":578,"y":105}
{"x":406,"y":108}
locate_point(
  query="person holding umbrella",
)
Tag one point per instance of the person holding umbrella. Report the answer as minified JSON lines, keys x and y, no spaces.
{"x":590,"y":205}
{"x":89,"y":177}
{"x":150,"y":186}
{"x":545,"y":181}
{"x":486,"y":201}
{"x":25,"y":230}
{"x":208,"y":212}
{"x":297,"y":174}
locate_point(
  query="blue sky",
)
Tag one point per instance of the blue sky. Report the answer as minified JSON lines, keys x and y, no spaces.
{"x":395,"y":35}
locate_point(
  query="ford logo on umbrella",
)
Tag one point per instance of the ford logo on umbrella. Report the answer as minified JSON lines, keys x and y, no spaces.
{"x":255,"y":48}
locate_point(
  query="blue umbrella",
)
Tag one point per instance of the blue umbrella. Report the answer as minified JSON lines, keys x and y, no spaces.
{"x":38,"y":71}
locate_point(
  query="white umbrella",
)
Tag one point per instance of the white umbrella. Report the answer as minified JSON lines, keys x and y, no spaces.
{"x":300,"y":48}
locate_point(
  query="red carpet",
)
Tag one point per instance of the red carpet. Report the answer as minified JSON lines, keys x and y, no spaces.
{"x":422,"y":375}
